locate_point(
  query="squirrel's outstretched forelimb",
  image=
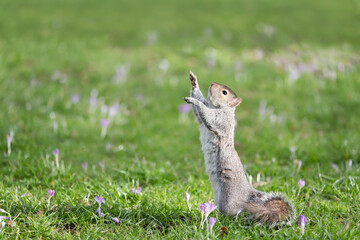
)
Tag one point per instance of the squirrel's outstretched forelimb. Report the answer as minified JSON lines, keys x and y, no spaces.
{"x":205,"y":115}
{"x":197,"y":94}
{"x":232,"y":191}
{"x":193,"y":79}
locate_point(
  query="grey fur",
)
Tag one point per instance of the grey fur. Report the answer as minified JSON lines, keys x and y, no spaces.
{"x":232,"y":191}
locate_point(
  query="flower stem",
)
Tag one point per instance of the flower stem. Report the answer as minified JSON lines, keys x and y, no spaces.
{"x":9,"y":148}
{"x":103,"y":132}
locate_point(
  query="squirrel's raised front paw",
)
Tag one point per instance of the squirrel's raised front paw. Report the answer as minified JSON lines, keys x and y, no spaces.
{"x":189,"y":99}
{"x":192,"y":101}
{"x":193,"y":80}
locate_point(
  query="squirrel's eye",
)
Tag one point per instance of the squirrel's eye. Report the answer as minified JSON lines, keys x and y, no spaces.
{"x":224,"y":92}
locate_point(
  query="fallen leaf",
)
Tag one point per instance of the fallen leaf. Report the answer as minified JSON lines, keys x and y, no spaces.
{"x":224,"y":231}
{"x":12,"y":223}
{"x":40,"y":212}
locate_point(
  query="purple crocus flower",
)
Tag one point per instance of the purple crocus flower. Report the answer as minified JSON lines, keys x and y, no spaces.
{"x":350,"y":163}
{"x":99,"y":213}
{"x":51,"y":192}
{"x":108,"y":147}
{"x":206,"y":209}
{"x":293,"y":75}
{"x":55,"y":152}
{"x":2,"y":224}
{"x":113,"y":110}
{"x":209,"y":207}
{"x":9,"y":141}
{"x":211,"y":224}
{"x":93,"y":99}
{"x":187,"y":196}
{"x":137,"y":191}
{"x":301,"y":183}
{"x":299,"y":164}
{"x":202,"y":208}
{"x":116,"y":220}
{"x":212,"y":221}
{"x":341,"y":67}
{"x":84,"y":165}
{"x":75,"y":98}
{"x":184,"y":108}
{"x":8,"y":138}
{"x":59,"y":76}
{"x":120,"y":75}
{"x":99,"y":200}
{"x":334,"y":166}
{"x":2,"y":217}
{"x":104,"y":124}
{"x":102,"y":164}
{"x":262,"y":108}
{"x":302,"y":223}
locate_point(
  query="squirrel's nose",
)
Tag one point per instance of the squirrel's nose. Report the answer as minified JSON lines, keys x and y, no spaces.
{"x":213,"y":83}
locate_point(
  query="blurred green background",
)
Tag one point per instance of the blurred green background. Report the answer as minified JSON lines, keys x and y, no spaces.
{"x":294,"y":63}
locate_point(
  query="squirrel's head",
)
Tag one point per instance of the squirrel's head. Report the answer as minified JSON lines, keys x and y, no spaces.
{"x":222,"y":96}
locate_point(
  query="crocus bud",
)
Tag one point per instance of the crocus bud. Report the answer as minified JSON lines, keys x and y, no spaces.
{"x":187,"y":196}
{"x":212,"y":221}
{"x":301,"y":183}
{"x":302,"y":223}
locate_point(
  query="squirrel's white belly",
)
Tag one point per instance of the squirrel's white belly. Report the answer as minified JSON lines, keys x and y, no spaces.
{"x":210,"y":147}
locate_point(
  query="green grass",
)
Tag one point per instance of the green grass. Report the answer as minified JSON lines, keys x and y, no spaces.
{"x":85,"y":41}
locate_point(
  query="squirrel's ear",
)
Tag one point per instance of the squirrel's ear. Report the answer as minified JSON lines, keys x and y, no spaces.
{"x":235,"y":102}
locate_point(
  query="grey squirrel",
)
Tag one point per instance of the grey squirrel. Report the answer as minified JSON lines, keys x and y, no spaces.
{"x":233,"y":194}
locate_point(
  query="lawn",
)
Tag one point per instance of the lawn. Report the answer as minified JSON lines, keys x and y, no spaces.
{"x":102,"y":82}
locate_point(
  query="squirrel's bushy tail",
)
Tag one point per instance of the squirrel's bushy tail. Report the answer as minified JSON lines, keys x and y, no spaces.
{"x":269,"y":209}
